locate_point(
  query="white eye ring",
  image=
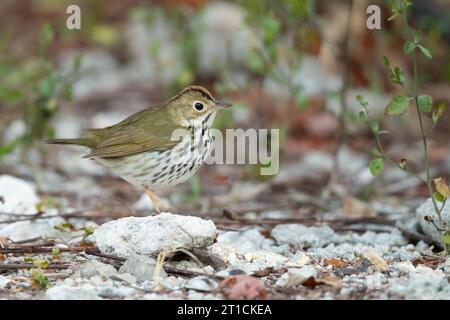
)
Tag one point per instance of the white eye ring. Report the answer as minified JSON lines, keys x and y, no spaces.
{"x":198,"y":106}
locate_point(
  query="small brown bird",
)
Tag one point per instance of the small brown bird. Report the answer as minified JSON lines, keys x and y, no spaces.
{"x":159,"y":146}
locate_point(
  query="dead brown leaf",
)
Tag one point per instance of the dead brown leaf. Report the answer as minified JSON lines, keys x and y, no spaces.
{"x":3,"y":241}
{"x":376,"y":260}
{"x":311,"y":282}
{"x":442,"y":187}
{"x":354,"y":208}
{"x":331,"y":280}
{"x":266,"y":233}
{"x":341,"y":263}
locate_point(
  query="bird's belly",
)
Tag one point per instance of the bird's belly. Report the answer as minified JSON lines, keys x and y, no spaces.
{"x":157,"y":169}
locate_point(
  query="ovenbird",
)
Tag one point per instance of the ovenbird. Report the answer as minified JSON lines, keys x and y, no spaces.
{"x":141,"y":148}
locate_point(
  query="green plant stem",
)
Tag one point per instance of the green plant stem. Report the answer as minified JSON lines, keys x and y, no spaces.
{"x":392,"y":162}
{"x":424,"y":135}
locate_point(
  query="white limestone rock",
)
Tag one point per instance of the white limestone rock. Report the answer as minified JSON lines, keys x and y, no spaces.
{"x":427,"y":209}
{"x":150,"y":235}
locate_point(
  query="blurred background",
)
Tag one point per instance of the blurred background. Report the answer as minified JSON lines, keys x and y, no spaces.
{"x":294,"y":65}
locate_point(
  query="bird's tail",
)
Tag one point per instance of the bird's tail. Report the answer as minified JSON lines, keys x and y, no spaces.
{"x":77,"y":141}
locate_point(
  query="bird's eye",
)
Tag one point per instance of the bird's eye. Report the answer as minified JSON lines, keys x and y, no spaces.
{"x":198,"y":106}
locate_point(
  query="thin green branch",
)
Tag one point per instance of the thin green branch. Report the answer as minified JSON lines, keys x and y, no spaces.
{"x":424,"y":134}
{"x":394,"y":163}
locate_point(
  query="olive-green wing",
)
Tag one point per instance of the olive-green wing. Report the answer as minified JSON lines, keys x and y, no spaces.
{"x":147,"y":130}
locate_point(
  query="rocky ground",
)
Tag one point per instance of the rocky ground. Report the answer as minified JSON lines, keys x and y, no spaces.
{"x":69,"y":230}
{"x":61,"y":254}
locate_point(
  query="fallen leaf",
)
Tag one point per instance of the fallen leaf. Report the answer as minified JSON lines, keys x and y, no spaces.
{"x":355,"y":208}
{"x":266,"y":233}
{"x":376,"y":260}
{"x":311,"y":282}
{"x":209,"y":258}
{"x":336,"y":262}
{"x":263,"y":273}
{"x":430,"y":262}
{"x":442,"y":187}
{"x":243,"y":287}
{"x":3,"y":241}
{"x":331,"y":280}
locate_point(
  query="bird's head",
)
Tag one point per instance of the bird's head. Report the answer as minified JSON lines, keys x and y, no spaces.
{"x":195,"y":104}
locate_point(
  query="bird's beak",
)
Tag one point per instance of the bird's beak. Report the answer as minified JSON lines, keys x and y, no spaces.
{"x":222,"y":104}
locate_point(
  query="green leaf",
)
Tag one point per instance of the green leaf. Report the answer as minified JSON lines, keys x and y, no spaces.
{"x":386,"y":62}
{"x":376,"y":167}
{"x":302,"y":100}
{"x":395,"y":15}
{"x":439,"y":112}
{"x":77,"y":63}
{"x":375,"y":126}
{"x":425,"y":103}
{"x":47,"y":36}
{"x":271,"y":27}
{"x":40,"y":279}
{"x":425,"y":51}
{"x":376,"y":153}
{"x":360,"y":98}
{"x":438,"y":197}
{"x":446,"y":238}
{"x":397,"y":106}
{"x":398,"y":76}
{"x":256,"y":62}
{"x":88,"y":230}
{"x":363,"y":116}
{"x":395,"y":7}
{"x":417,"y":36}
{"x":409,"y":47}
{"x":9,"y":147}
{"x":56,"y":252}
{"x":47,"y":87}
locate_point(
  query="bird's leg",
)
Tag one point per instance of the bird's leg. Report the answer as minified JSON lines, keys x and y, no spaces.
{"x":154,"y":199}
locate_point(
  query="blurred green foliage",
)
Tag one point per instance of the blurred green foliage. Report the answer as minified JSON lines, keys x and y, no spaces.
{"x":33,"y":87}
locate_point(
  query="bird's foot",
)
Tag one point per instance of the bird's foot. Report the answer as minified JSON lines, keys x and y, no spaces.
{"x":157,"y":202}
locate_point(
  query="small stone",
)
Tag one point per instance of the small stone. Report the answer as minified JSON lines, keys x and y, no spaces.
{"x":403,"y":267}
{"x":446,"y":267}
{"x":171,"y":283}
{"x":303,"y":236}
{"x":141,"y":267}
{"x":150,"y":235}
{"x":299,"y":259}
{"x":65,"y":292}
{"x":96,"y":268}
{"x":245,"y":242}
{"x":375,"y":281}
{"x":209,"y":270}
{"x":223,"y":273}
{"x":201,"y":284}
{"x":126,"y":277}
{"x":3,"y":281}
{"x":113,"y":292}
{"x":296,"y":276}
{"x":18,"y":196}
{"x":427,"y":209}
{"x":23,"y":230}
{"x":423,"y":283}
